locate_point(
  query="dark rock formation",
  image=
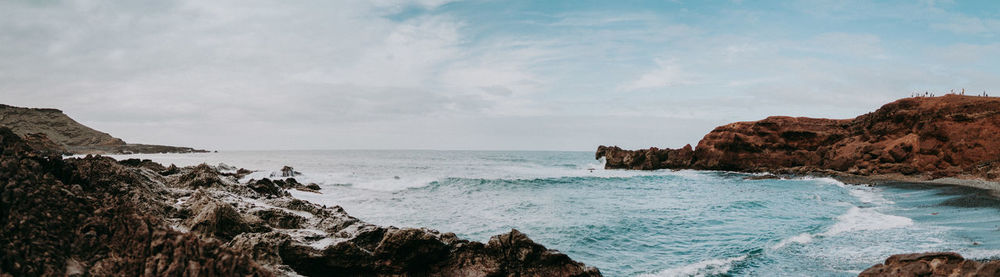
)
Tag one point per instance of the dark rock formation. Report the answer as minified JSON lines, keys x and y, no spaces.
{"x":288,"y":171}
{"x":146,"y":163}
{"x":646,"y":159}
{"x":92,"y":216}
{"x":925,"y":137}
{"x":50,"y":130}
{"x":932,"y":264}
{"x":267,"y":188}
{"x":97,"y":216}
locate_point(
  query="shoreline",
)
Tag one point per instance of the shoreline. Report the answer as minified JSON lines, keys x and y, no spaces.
{"x":992,"y":188}
{"x":96,"y":215}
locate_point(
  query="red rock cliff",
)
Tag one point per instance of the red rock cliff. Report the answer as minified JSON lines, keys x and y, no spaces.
{"x":932,"y":136}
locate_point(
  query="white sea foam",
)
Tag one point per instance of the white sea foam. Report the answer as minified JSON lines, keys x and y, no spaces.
{"x":702,"y":268}
{"x":387,"y":174}
{"x":802,"y":238}
{"x":855,"y":219}
{"x":980,"y":254}
{"x":866,"y":219}
{"x":868,"y":195}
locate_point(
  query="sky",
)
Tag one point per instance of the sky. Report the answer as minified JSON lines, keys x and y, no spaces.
{"x":479,"y":74}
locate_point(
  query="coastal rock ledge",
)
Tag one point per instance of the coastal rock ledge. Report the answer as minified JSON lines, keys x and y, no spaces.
{"x":916,"y":138}
{"x":932,"y":264}
{"x":95,"y":216}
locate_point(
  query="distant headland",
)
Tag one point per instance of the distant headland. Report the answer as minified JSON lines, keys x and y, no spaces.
{"x":52,"y":131}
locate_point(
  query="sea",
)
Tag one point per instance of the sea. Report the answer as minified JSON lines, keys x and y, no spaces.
{"x":638,"y":223}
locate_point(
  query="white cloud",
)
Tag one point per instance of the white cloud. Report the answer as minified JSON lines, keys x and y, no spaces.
{"x":962,"y":24}
{"x":668,"y":73}
{"x":402,"y":74}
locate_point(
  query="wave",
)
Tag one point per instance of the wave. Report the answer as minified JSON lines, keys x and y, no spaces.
{"x":802,"y":238}
{"x":866,"y":219}
{"x":416,"y":179}
{"x":710,"y":267}
{"x":856,"y":218}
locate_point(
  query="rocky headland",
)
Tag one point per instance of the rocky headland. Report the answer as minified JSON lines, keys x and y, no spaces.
{"x":52,"y":131}
{"x":95,"y":216}
{"x":920,"y":138}
{"x":952,"y":139}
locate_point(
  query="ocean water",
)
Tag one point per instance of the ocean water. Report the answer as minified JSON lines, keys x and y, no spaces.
{"x":640,"y":223}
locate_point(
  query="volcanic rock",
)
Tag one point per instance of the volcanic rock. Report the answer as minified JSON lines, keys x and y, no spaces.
{"x":92,"y":216}
{"x":932,"y":264}
{"x":97,"y":216}
{"x":928,"y":137}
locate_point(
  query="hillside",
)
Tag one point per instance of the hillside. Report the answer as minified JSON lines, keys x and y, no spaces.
{"x":54,"y":131}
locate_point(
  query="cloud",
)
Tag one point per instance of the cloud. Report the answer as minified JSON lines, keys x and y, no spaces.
{"x":473,"y":74}
{"x":962,"y":24}
{"x":667,"y":74}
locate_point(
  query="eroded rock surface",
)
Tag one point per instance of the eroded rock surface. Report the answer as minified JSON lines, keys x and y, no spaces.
{"x":98,"y":216}
{"x":932,"y":264}
{"x":93,"y":216}
{"x":929,"y":137}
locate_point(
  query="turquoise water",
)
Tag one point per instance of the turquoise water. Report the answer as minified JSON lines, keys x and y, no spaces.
{"x":641,"y":223}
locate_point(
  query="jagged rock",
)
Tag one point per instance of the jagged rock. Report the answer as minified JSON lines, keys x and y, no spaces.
{"x":280,"y":219}
{"x":214,"y":218}
{"x":201,"y":176}
{"x":171,"y":170}
{"x":92,"y":216}
{"x":267,"y":188}
{"x":313,"y":186}
{"x":96,"y":216}
{"x":932,"y":264}
{"x":262,"y":247}
{"x":288,"y":171}
{"x":144,"y":163}
{"x":645,"y":159}
{"x":240,"y":173}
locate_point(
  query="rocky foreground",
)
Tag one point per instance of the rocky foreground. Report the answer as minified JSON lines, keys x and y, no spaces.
{"x":98,"y":216}
{"x":52,"y":131}
{"x":912,"y":139}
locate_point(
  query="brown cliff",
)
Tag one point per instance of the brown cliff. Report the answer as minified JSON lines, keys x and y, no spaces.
{"x":923,"y":137}
{"x":54,"y":131}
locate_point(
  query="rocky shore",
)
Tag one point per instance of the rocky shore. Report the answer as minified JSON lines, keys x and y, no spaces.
{"x":952,"y":139}
{"x":97,"y":216}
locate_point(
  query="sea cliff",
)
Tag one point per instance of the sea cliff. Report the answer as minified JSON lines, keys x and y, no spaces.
{"x":920,"y":138}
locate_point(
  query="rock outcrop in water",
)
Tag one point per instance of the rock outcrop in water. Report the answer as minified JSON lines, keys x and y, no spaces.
{"x":922,"y":137}
{"x":932,"y":264}
{"x":97,"y":216}
{"x":51,"y":130}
